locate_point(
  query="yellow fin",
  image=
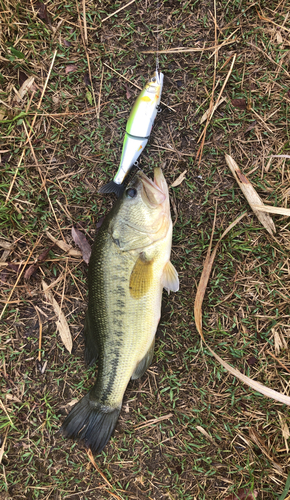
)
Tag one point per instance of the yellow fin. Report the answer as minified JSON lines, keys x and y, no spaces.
{"x":170,"y":279}
{"x":141,"y":277}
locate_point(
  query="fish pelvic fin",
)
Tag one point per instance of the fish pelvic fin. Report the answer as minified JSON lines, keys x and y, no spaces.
{"x":112,"y":187}
{"x":91,"y":422}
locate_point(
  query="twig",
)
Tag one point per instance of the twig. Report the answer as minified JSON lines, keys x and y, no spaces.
{"x":278,"y":361}
{"x":40,"y":335}
{"x":85,"y":22}
{"x":42,"y":179}
{"x":203,"y":134}
{"x":180,"y":50}
{"x":91,"y":457}
{"x":116,"y":12}
{"x":268,"y":57}
{"x":137,"y":86}
{"x":87,"y":56}
{"x":42,"y":94}
{"x":14,"y":176}
{"x":153,"y":421}
{"x":100,"y":94}
{"x":18,"y":278}
{"x":3,"y":445}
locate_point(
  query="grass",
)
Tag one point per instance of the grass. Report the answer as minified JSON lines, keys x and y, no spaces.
{"x":204,"y":447}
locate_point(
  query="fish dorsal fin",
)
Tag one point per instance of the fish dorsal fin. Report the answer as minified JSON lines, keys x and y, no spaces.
{"x":170,"y":279}
{"x":144,"y":363}
{"x":141,"y":277}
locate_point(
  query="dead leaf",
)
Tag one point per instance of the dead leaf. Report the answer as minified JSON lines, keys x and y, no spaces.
{"x":279,"y":37}
{"x":6,"y":244}
{"x":25,"y":87}
{"x":14,"y":267}
{"x":128,"y":95}
{"x":70,"y":68}
{"x":61,"y":322}
{"x":251,"y":195}
{"x":211,"y":111}
{"x":64,"y":246}
{"x":11,"y":397}
{"x":179,"y":179}
{"x":22,"y":77}
{"x":43,"y":13}
{"x":279,"y":341}
{"x":82,"y":242}
{"x":239,"y":103}
{"x":243,"y":494}
{"x":87,"y":80}
{"x":3,"y":112}
{"x":3,"y":446}
{"x":252,"y":360}
{"x":33,"y":268}
{"x":285,"y":429}
{"x":66,"y":43}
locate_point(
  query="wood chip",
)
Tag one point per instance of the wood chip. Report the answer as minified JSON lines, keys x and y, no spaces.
{"x":251,"y":196}
{"x":61,"y":322}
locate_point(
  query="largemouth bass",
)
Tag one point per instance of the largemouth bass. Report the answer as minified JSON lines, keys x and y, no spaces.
{"x":138,"y":130}
{"x":129,"y":266}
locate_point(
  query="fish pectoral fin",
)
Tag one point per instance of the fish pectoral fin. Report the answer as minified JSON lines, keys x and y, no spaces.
{"x":144,"y":363}
{"x":91,"y":345}
{"x":170,"y":279}
{"x":141,"y":277}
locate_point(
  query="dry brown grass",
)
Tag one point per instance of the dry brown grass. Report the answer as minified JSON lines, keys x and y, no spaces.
{"x":187,"y":430}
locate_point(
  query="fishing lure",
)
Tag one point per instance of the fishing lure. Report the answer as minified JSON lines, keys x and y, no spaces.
{"x":138,"y":129}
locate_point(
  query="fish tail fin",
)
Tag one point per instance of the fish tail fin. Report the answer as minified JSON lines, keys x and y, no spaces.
{"x":112,"y":187}
{"x":91,"y":422}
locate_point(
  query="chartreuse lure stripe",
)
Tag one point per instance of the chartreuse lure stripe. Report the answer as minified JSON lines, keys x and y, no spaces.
{"x":138,"y":130}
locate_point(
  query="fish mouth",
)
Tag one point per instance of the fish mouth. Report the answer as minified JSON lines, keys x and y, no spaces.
{"x":154,"y":194}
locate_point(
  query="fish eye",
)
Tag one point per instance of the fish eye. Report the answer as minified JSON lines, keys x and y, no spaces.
{"x":131,"y":193}
{"x":153,"y":79}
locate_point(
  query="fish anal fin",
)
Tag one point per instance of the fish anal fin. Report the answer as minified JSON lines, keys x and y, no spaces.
{"x":91,"y":345}
{"x":170,"y":279}
{"x":141,"y":277}
{"x":144,"y":363}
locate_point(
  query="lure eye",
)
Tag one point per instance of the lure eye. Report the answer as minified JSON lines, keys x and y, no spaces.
{"x":131,"y":193}
{"x":153,"y":79}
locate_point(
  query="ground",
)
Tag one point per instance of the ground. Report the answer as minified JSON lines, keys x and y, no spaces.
{"x":188,"y":429}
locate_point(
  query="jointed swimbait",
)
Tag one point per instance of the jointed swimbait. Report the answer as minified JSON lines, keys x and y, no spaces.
{"x":138,"y":130}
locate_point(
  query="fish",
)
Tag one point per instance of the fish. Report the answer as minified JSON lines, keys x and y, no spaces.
{"x":138,"y":130}
{"x":128,"y":269}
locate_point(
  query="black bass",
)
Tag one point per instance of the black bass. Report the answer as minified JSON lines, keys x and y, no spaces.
{"x":129,"y":266}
